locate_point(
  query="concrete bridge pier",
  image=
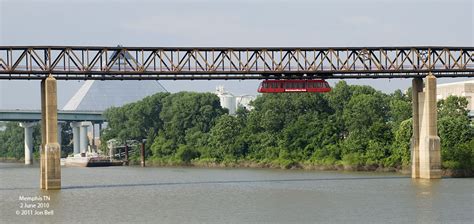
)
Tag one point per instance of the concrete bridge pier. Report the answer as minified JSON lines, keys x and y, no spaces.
{"x":50,"y":154}
{"x":425,"y":145}
{"x":79,"y":136}
{"x":75,"y":137}
{"x":60,"y":129}
{"x":28,"y":126}
{"x":83,"y":136}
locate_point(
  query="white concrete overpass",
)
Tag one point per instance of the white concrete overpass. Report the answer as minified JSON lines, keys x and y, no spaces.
{"x":63,"y":115}
{"x":80,"y":121}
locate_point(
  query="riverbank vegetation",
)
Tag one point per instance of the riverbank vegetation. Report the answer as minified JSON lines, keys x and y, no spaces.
{"x":351,"y":127}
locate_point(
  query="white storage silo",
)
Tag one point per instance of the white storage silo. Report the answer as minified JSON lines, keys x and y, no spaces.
{"x":227,"y":100}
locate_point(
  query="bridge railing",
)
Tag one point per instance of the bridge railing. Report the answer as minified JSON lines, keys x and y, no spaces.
{"x":208,"y":63}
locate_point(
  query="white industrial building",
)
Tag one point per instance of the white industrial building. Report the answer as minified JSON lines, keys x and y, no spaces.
{"x":464,"y":89}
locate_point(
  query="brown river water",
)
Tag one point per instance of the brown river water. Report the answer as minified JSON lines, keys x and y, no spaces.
{"x":198,"y":195}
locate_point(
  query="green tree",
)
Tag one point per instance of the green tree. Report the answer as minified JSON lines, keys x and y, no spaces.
{"x":12,"y":141}
{"x":135,"y":121}
{"x":400,"y":109}
{"x":456,"y":132}
{"x":225,"y":138}
{"x":400,"y":149}
{"x":181,"y":113}
{"x":366,"y":119}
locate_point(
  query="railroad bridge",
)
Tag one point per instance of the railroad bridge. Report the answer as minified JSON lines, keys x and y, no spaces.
{"x":50,"y":63}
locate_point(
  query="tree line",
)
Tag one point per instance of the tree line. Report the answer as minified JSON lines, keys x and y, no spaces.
{"x":351,"y":126}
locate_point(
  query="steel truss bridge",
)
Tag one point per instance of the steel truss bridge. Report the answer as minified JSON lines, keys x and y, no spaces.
{"x":183,"y":63}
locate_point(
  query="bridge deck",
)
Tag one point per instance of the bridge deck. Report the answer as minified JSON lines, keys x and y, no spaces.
{"x":35,"y":115}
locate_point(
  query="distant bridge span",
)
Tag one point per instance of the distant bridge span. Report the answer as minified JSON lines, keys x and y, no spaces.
{"x":63,"y":115}
{"x":193,"y":63}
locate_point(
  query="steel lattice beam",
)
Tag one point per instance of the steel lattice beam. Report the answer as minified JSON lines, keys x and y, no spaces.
{"x":68,"y":62}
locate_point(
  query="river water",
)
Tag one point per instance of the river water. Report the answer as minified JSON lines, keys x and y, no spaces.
{"x":197,"y":195}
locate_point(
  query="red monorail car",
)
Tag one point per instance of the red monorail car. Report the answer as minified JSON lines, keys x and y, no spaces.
{"x":281,"y":86}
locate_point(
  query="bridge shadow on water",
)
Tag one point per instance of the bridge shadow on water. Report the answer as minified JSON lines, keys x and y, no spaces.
{"x":230,"y":182}
{"x":215,"y":182}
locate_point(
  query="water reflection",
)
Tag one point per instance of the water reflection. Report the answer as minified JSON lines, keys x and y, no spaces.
{"x":425,"y":195}
{"x":425,"y":187}
{"x":54,"y":203}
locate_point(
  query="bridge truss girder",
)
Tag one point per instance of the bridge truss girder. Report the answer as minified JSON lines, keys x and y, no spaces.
{"x":108,"y":63}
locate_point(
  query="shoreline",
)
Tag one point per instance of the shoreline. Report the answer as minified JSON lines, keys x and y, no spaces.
{"x":247,"y":164}
{"x":298,"y":166}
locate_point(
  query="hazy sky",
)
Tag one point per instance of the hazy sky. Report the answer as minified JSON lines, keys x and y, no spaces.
{"x":227,"y":23}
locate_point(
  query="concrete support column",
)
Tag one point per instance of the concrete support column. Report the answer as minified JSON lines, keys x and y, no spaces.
{"x":60,"y":129}
{"x":430,"y":153}
{"x":93,"y":136}
{"x":83,"y":137}
{"x":75,"y":137}
{"x":28,"y":126}
{"x":417,"y":87}
{"x":142,"y":153}
{"x":51,"y":151}
{"x":100,"y":129}
{"x":43,"y":136}
{"x":426,"y":154}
